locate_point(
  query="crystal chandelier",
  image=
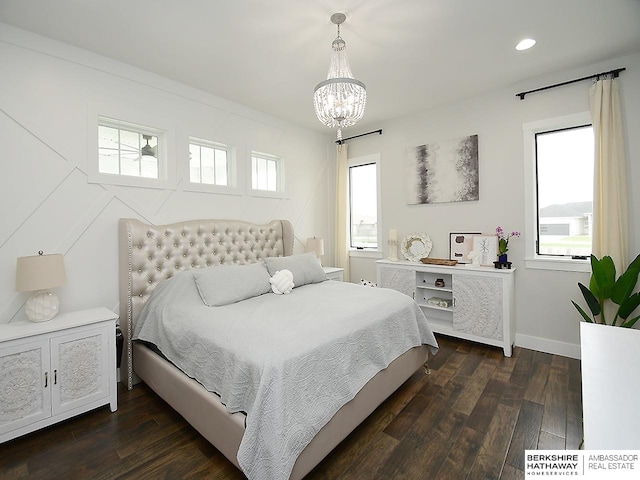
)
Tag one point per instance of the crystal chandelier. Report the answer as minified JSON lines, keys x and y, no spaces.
{"x":340,"y":100}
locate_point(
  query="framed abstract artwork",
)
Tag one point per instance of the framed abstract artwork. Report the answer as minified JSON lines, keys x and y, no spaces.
{"x":443,"y":172}
{"x":486,"y":247}
{"x":460,"y":244}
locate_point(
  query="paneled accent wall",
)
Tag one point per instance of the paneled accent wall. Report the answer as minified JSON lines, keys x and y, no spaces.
{"x":49,"y":96}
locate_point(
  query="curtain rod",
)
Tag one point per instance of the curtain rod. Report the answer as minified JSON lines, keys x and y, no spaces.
{"x":340,"y":142}
{"x":614,"y":72}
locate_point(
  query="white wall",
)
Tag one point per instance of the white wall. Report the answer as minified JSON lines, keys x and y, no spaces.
{"x":545,"y":318}
{"x":49,"y":90}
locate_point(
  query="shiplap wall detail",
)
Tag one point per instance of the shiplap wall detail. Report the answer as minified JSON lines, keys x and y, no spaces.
{"x":48,"y":203}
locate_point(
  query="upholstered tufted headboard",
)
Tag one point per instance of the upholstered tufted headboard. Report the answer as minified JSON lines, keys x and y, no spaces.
{"x":152,"y":253}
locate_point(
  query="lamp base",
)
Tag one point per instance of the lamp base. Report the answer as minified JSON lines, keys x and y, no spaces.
{"x":42,"y":306}
{"x":393,"y":250}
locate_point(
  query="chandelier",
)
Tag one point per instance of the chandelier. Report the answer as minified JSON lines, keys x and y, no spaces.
{"x":340,"y":100}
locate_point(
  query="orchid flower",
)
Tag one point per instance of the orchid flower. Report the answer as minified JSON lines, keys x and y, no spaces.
{"x":503,"y":240}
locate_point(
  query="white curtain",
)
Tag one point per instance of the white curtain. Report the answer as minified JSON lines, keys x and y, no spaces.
{"x":342,"y":217}
{"x":610,"y":211}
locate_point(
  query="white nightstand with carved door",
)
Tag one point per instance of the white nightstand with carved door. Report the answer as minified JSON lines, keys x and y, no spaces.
{"x":55,"y":370}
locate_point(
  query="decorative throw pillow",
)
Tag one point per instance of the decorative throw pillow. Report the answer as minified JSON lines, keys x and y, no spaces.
{"x":225,"y":284}
{"x":282,"y":282}
{"x":367,"y":283}
{"x":305,"y":268}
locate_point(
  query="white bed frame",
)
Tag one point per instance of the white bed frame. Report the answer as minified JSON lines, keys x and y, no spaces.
{"x":150,"y":254}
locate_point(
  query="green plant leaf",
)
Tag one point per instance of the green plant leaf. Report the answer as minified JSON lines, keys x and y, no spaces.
{"x":629,"y":305}
{"x":592,"y":301}
{"x":635,"y":263}
{"x":624,"y":286}
{"x":603,"y":276}
{"x":630,"y":323}
{"x":582,"y":312}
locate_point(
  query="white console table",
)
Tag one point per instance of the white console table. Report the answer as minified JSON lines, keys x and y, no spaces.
{"x":474,"y":303}
{"x":610,"y":387}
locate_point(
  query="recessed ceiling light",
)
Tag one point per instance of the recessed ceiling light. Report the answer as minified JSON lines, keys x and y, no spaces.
{"x":525,"y":44}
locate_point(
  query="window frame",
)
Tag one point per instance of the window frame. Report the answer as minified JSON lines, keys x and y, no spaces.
{"x":279,"y":192}
{"x":232,"y":187}
{"x":145,"y":124}
{"x":365,"y":251}
{"x":532,"y":259}
{"x":141,"y":132}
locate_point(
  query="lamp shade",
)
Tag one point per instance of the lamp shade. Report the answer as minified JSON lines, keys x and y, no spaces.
{"x":40,"y":272}
{"x":315,"y":245}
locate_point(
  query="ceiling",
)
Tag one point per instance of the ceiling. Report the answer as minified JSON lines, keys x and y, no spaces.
{"x":269,"y":55}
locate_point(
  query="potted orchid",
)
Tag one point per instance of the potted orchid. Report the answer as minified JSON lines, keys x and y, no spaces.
{"x":503,"y":243}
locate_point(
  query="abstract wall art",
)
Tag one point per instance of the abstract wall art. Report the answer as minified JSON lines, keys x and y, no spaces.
{"x":443,"y":172}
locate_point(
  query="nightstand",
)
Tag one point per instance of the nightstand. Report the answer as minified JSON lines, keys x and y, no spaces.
{"x":56,"y":370}
{"x":334,"y":273}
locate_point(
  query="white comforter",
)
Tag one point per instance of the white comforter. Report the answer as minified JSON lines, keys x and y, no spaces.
{"x":288,"y":361}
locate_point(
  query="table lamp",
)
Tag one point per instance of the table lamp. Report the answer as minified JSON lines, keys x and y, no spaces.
{"x":38,"y":274}
{"x":315,"y":245}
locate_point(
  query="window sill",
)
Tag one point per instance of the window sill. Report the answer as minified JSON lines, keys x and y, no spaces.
{"x":206,"y":188}
{"x":558,"y":264}
{"x":128,"y":181}
{"x":366,"y":253}
{"x":268,"y":194}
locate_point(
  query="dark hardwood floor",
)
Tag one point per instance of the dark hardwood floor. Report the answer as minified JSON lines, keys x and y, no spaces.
{"x":471,"y":417}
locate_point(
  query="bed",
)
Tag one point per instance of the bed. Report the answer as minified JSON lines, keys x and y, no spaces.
{"x":183,"y":252}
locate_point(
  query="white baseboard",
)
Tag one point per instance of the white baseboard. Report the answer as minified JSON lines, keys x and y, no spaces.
{"x":571,"y":350}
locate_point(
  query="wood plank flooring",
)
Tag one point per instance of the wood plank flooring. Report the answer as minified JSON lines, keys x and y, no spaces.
{"x":471,"y":417}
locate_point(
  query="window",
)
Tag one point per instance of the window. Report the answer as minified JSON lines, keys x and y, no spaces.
{"x":139,"y":151}
{"x":564,"y":166}
{"x":209,"y":163}
{"x":125,"y":149}
{"x":559,"y":163}
{"x":363,"y":206}
{"x":266,"y":173}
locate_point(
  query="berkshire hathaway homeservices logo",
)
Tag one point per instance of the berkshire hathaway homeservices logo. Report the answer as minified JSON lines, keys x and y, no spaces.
{"x":583,"y":464}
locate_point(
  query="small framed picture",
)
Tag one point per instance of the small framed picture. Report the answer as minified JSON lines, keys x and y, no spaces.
{"x":460,"y":244}
{"x":486,"y":246}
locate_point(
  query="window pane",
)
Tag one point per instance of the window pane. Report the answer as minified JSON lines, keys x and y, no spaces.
{"x":206,"y":160}
{"x":564,"y":162}
{"x":262,"y":173}
{"x":221,"y":167}
{"x":108,"y":150}
{"x":149,"y":167}
{"x":254,"y":173}
{"x":363,"y":204}
{"x":194,"y":163}
{"x":130,"y":143}
{"x":271,"y":175}
{"x":149,"y":159}
{"x":129,"y":163}
{"x":108,"y":162}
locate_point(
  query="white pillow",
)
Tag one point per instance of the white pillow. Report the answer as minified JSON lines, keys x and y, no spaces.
{"x":305,"y":268}
{"x":282,"y":282}
{"x":225,"y":284}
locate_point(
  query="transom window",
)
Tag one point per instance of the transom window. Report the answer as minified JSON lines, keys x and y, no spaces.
{"x":564,"y":175}
{"x":266,"y":172}
{"x":126,"y":149}
{"x":209,"y":163}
